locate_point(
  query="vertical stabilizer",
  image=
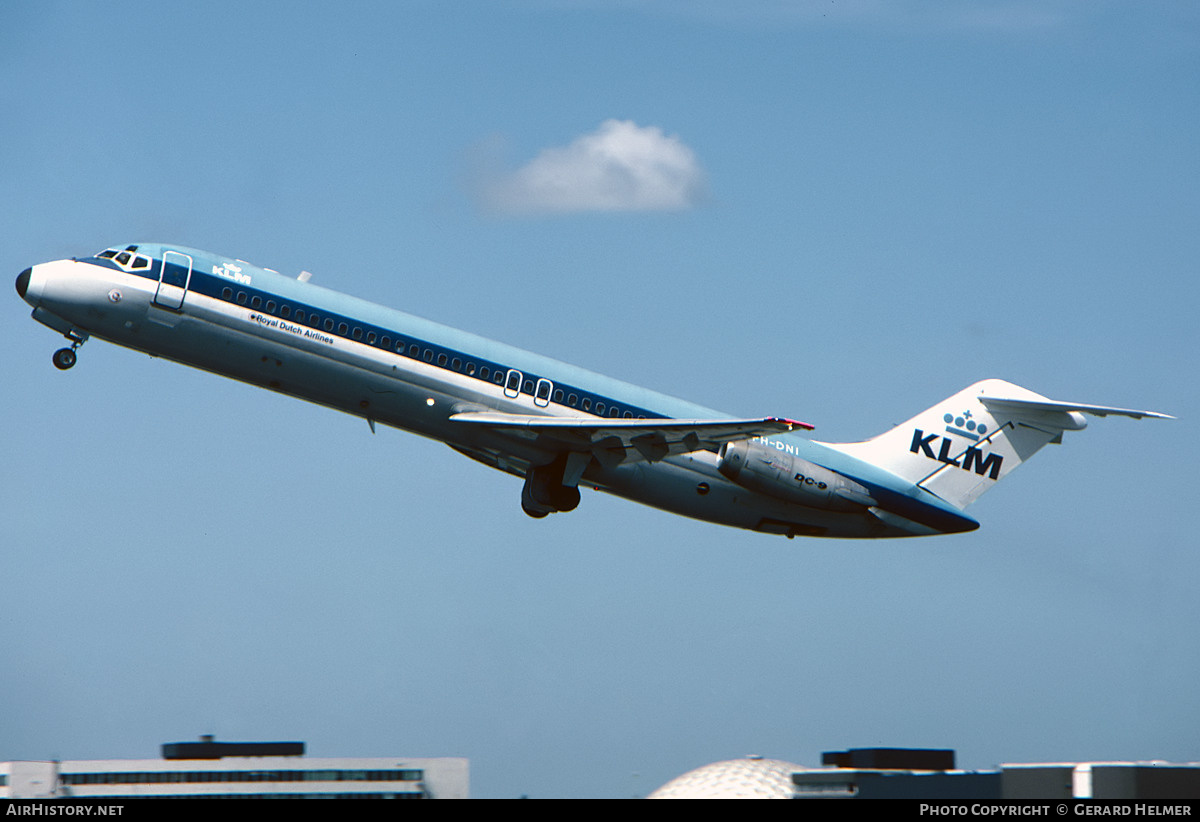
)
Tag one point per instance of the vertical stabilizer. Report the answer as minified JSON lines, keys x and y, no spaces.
{"x":964,"y":445}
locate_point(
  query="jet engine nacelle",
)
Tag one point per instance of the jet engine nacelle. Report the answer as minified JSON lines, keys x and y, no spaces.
{"x":779,"y":474}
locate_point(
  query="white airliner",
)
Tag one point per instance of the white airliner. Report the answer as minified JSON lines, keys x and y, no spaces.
{"x":554,"y":425}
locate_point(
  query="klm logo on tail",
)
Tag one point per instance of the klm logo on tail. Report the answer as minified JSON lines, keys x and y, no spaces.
{"x":972,"y":460}
{"x":964,"y":426}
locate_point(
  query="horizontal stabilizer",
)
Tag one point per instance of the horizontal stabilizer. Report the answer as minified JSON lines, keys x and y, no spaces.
{"x":1017,"y":406}
{"x":614,"y":441}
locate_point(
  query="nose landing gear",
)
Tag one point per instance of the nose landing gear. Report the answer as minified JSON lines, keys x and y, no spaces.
{"x":65,"y":358}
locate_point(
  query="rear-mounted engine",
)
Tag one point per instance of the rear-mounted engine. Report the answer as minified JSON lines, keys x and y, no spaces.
{"x":785,"y":476}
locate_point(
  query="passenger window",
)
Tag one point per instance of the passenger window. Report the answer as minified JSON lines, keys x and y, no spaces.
{"x":558,"y":395}
{"x":343,"y":328}
{"x":484,"y":372}
{"x":442,"y":360}
{"x":358,"y":333}
{"x":572,"y":399}
{"x":470,"y":369}
{"x":456,"y":364}
{"x":226,"y":293}
{"x":328,"y":324}
{"x":498,"y":378}
{"x":428,"y":355}
{"x":256,"y":302}
{"x":242,"y":297}
{"x":414,"y":351}
{"x":270,"y":306}
{"x":371,"y":338}
{"x":599,"y":408}
{"x":299,"y":315}
{"x":512,"y":386}
{"x":587,"y":404}
{"x":528,"y":387}
{"x":285,"y":312}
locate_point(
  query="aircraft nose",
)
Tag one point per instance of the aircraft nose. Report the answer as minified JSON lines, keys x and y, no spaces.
{"x":23,"y":282}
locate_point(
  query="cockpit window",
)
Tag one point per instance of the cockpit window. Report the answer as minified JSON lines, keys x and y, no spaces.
{"x":126,"y":258}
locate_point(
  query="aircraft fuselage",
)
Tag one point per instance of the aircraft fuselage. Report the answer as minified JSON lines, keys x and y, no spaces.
{"x":396,"y":369}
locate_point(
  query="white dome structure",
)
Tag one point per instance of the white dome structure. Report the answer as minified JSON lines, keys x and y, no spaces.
{"x":750,"y":778}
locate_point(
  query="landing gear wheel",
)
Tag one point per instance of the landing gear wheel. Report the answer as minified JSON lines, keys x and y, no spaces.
{"x":544,"y":493}
{"x":536,"y":513}
{"x":64,"y":358}
{"x":566,"y":498}
{"x":531,"y":506}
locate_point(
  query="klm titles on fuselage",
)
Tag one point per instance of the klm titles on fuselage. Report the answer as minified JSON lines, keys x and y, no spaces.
{"x":972,"y":459}
{"x":291,"y":328}
{"x":233,"y":272}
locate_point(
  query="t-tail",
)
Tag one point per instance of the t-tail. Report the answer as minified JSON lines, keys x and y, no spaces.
{"x":964,"y":445}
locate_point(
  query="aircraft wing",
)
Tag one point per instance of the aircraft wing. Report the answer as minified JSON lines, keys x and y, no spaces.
{"x":613,"y":441}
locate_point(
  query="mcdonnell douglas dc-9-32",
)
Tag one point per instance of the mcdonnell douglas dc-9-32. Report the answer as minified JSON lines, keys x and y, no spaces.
{"x":556,"y":426}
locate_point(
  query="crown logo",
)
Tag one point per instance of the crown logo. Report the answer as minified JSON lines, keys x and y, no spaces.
{"x":964,"y":426}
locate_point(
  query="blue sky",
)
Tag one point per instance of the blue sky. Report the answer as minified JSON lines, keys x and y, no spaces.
{"x":838,"y":212}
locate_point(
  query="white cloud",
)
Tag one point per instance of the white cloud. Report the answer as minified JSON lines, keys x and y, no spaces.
{"x":619,"y":167}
